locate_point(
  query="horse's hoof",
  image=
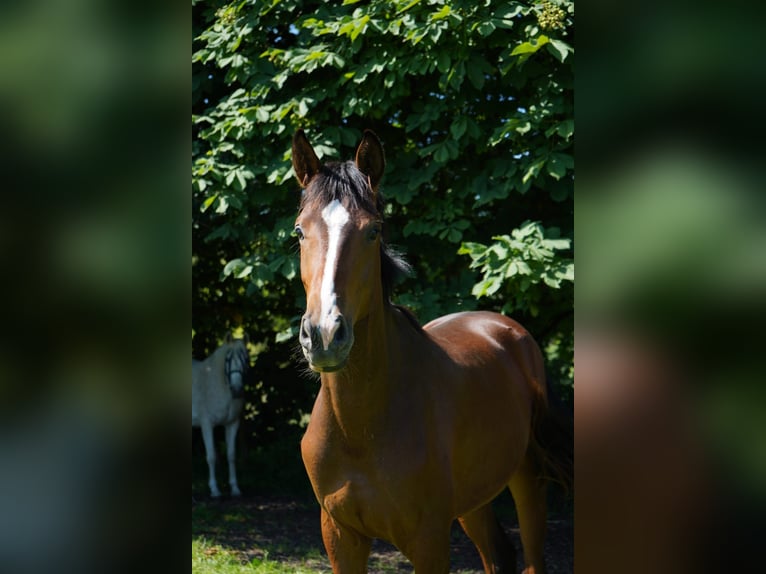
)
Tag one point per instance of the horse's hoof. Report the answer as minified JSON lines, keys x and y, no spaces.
{"x":236,"y":492}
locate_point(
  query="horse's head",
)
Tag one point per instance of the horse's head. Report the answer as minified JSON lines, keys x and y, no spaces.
{"x":237,"y":362}
{"x":339,"y":228}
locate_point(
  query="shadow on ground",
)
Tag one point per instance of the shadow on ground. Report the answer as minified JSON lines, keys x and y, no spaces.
{"x":286,"y":529}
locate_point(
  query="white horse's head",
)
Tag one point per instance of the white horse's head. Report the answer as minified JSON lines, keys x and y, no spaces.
{"x":237,"y":363}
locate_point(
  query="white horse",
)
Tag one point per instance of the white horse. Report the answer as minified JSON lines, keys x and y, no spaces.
{"x":217,"y":388}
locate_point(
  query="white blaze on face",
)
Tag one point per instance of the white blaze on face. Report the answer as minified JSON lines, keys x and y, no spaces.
{"x":335,"y":216}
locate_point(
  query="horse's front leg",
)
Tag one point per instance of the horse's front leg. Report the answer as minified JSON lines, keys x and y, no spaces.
{"x":347,"y":550}
{"x":207,"y":437}
{"x":428,"y":548}
{"x":231,"y":443}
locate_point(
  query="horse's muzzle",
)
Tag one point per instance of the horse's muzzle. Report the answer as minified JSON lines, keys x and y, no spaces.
{"x":326,"y":346}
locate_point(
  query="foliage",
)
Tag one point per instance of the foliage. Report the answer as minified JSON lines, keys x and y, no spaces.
{"x":473,"y":102}
{"x":521,"y":260}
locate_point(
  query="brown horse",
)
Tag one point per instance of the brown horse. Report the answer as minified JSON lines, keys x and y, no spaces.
{"x":413,"y":426}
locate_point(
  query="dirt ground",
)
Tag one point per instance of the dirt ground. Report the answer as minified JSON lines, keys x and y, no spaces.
{"x":287,"y":529}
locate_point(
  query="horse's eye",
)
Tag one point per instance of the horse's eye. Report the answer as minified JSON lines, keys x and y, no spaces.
{"x":298,"y":232}
{"x":373,"y":232}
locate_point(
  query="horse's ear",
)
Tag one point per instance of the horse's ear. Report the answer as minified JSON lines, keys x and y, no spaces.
{"x":305,"y":161}
{"x":370,"y":158}
{"x":229,"y":337}
{"x":246,"y":338}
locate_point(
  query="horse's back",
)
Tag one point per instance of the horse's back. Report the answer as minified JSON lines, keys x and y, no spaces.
{"x":471,"y":337}
{"x":483,"y":322}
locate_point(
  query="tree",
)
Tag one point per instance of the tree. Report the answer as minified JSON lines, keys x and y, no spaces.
{"x":473,"y":102}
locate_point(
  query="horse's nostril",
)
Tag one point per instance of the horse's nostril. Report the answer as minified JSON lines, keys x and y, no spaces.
{"x":340,"y":333}
{"x":305,"y":333}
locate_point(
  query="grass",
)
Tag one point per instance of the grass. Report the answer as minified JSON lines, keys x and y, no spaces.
{"x":209,"y":558}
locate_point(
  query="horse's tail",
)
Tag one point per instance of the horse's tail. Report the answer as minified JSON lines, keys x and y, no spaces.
{"x":553,"y":440}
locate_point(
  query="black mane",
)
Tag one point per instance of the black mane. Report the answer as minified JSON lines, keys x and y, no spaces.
{"x":344,"y":182}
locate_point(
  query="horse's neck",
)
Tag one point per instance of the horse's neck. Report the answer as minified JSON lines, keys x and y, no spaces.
{"x":216,"y":365}
{"x":359,"y":395}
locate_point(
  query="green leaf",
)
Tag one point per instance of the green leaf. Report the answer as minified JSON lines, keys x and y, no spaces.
{"x":476,"y":75}
{"x":523,"y":267}
{"x":526,"y":229}
{"x":509,"y":11}
{"x":441,"y":14}
{"x":359,"y":27}
{"x":494,"y":285}
{"x":551,"y":281}
{"x":238,"y":268}
{"x":408,"y":6}
{"x":556,"y":169}
{"x":559,"y":49}
{"x":291,"y":332}
{"x":557,"y":243}
{"x":456,"y":75}
{"x":558,"y":164}
{"x":473,"y":249}
{"x":458,"y":127}
{"x":241,"y":181}
{"x":486,"y":28}
{"x":454,"y":236}
{"x":489,"y":286}
{"x":565,"y":129}
{"x":523,"y":127}
{"x":208,"y":202}
{"x":441,"y":154}
{"x":244,"y":272}
{"x":443,"y":62}
{"x":289,"y":268}
{"x":500,"y":250}
{"x":529,"y":47}
{"x":533,"y":170}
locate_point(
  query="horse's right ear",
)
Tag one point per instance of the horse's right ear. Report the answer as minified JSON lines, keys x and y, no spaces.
{"x":305,"y":161}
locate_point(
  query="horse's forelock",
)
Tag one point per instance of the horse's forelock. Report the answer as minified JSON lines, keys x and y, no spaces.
{"x":345,"y":183}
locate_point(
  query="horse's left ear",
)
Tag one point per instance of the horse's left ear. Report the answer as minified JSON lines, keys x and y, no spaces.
{"x":229,"y":337}
{"x":246,"y":338}
{"x":370,"y":158}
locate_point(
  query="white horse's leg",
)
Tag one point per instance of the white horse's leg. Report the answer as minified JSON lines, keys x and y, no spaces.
{"x":207,"y":437}
{"x":231,"y":443}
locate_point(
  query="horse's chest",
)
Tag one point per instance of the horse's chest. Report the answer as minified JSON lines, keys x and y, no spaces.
{"x":367,"y":491}
{"x":359,"y":499}
{"x":220,"y":410}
